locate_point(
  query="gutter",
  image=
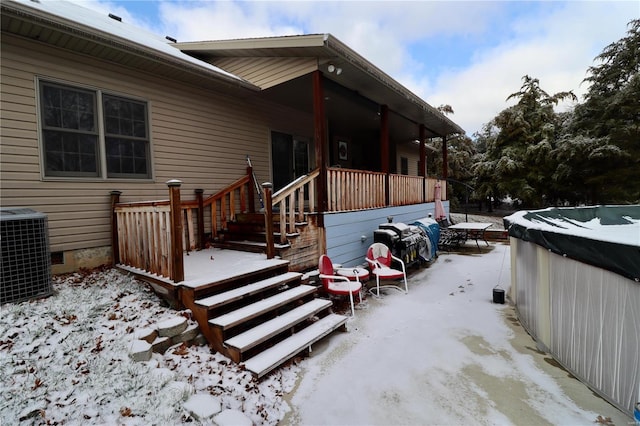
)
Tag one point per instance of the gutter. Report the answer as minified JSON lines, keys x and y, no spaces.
{"x":358,"y":61}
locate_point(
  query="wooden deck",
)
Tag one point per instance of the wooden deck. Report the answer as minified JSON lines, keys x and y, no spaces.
{"x":250,"y":308}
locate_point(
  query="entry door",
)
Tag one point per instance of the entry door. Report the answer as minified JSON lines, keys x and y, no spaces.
{"x":289,"y":159}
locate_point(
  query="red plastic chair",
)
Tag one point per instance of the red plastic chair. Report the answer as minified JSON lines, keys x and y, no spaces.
{"x":336,"y":284}
{"x":379,"y":258}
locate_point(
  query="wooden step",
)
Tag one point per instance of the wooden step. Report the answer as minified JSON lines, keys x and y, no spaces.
{"x":266,"y":361}
{"x":250,"y":246}
{"x":226,"y":297}
{"x":260,"y":307}
{"x":252,"y":337}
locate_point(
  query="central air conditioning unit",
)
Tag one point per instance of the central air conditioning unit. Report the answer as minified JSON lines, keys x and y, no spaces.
{"x":26,"y":262}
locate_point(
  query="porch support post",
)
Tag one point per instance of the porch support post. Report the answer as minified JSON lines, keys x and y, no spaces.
{"x":445,"y":167}
{"x":384,"y":149}
{"x":177,"y":261}
{"x":199,"y":193}
{"x":267,"y":187}
{"x":422,"y":137}
{"x":115,"y":244}
{"x":422,"y":161}
{"x":320,"y":141}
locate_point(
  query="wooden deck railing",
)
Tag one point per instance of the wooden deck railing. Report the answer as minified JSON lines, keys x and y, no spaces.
{"x":152,"y":235}
{"x":404,"y":190}
{"x":350,"y":190}
{"x":144,"y":236}
{"x":354,"y":189}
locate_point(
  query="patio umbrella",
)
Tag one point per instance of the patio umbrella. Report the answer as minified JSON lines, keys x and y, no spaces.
{"x":439,"y":213}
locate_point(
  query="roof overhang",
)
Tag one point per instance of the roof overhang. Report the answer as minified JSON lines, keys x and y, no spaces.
{"x":358,"y":74}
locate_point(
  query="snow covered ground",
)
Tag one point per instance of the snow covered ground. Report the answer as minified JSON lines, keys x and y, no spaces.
{"x":65,"y":360}
{"x":443,"y":354}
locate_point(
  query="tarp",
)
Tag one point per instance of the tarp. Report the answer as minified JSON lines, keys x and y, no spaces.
{"x":604,"y":236}
{"x":432,"y":230}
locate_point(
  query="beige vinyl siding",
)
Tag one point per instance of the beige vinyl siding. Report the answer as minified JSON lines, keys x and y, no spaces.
{"x":412,"y":153}
{"x":267,"y":72}
{"x":200,"y":137}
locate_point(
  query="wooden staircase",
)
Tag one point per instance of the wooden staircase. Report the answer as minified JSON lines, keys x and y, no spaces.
{"x":263,"y":318}
{"x":247,"y":233}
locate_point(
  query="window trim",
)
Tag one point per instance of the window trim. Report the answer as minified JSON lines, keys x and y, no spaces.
{"x":404,"y":166}
{"x":102,"y":174}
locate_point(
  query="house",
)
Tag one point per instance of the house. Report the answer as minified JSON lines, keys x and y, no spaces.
{"x":102,"y":122}
{"x":91,"y":104}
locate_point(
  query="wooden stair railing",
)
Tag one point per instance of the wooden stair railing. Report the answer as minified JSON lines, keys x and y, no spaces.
{"x":151,"y":235}
{"x":223,"y":207}
{"x":289,"y":202}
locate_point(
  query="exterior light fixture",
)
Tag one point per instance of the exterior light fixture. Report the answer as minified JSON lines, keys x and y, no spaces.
{"x":332,"y":68}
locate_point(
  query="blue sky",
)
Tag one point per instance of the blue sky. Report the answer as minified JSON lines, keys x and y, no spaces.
{"x":468,"y":54}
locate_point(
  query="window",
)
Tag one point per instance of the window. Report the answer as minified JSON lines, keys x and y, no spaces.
{"x":74,"y":146}
{"x":404,"y":166}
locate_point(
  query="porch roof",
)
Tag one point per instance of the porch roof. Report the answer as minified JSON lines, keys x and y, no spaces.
{"x":358,"y":74}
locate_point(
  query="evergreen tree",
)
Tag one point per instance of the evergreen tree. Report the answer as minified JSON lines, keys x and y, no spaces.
{"x":519,"y":142}
{"x":607,"y":125}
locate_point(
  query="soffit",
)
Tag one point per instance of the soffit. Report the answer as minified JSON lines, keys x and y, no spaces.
{"x":358,"y":76}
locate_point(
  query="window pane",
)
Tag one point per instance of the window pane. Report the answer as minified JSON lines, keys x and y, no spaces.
{"x":126,"y":141}
{"x":124,"y":117}
{"x":70,"y":154}
{"x":69,"y":119}
{"x":127,"y":158}
{"x":68,"y":108}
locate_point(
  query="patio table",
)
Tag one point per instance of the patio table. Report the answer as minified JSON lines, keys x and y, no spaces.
{"x":471,"y":231}
{"x":361,"y":274}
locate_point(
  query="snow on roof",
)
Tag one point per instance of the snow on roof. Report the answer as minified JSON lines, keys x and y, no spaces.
{"x":127,"y":33}
{"x":626,"y":230}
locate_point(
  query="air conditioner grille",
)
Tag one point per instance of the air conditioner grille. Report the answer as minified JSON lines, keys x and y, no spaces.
{"x":26,"y":261}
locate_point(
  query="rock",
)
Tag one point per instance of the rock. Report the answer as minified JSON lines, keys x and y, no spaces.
{"x":200,"y":340}
{"x":161,"y":344}
{"x":148,"y":334}
{"x":189,"y":334}
{"x":232,"y":418}
{"x":140,"y":350}
{"x":172,"y":327}
{"x":202,"y":406}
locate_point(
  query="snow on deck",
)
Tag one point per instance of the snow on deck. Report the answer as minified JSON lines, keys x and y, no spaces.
{"x":213,"y":264}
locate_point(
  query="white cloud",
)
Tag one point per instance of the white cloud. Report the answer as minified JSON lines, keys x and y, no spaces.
{"x":555,"y":43}
{"x":557,"y":49}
